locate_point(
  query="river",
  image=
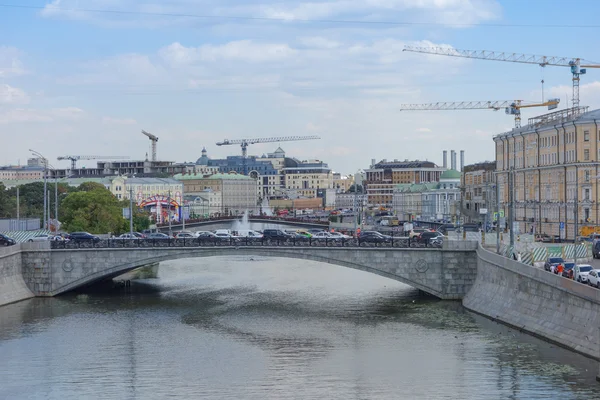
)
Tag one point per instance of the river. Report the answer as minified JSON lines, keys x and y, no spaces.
{"x":260,"y":328}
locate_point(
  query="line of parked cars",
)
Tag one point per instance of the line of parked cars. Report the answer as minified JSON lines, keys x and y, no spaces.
{"x":582,"y":273}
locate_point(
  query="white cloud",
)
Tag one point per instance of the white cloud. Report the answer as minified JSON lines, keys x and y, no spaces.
{"x":10,"y":64}
{"x":240,"y":50}
{"x":589,"y":94}
{"x":12,"y":95}
{"x":26,"y":115}
{"x":118,"y":121}
{"x":424,"y":130}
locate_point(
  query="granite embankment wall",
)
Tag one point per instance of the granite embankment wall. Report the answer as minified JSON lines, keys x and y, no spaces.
{"x":12,"y":285}
{"x":556,"y":309}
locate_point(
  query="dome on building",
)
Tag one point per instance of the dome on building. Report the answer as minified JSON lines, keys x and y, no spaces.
{"x":450,"y":174}
{"x":203,"y":160}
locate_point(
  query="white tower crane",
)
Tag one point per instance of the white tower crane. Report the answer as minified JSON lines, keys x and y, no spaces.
{"x":153,"y":139}
{"x":511,"y":107}
{"x":245,"y":142}
{"x":577,"y":65}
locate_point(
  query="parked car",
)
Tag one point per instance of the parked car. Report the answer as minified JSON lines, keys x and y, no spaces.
{"x":339,"y":236}
{"x":83,"y":236}
{"x":127,"y":236}
{"x":596,"y":250}
{"x":374,"y":237}
{"x":139,"y":235}
{"x":248,"y":233}
{"x":158,"y":235}
{"x":594,"y":278}
{"x":581,"y":272}
{"x":416,"y":232}
{"x":41,"y":238}
{"x":313,"y":231}
{"x":427,"y":237}
{"x":276,"y":234}
{"x":552,"y":261}
{"x":185,"y":235}
{"x":224,"y":236}
{"x":568,"y":267}
{"x":206,"y":235}
{"x":7,"y":241}
{"x":303,"y":233}
{"x":322,"y":235}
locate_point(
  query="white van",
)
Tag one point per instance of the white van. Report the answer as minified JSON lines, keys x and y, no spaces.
{"x":248,"y":233}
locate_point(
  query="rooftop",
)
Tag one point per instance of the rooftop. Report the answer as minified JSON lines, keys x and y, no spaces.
{"x":450,"y":174}
{"x":404,"y":164}
{"x":182,"y":177}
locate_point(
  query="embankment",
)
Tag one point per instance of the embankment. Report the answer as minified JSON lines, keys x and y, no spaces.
{"x":12,"y":286}
{"x":553,"y":308}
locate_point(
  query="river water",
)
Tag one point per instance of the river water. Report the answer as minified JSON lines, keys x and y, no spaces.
{"x":260,"y":328}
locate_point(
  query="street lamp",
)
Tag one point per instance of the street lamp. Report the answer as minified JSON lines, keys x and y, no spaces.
{"x":45,"y":161}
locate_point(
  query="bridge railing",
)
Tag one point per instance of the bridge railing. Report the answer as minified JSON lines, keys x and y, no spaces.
{"x":394,"y":242}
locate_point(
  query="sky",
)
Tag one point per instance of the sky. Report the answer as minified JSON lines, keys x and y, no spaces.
{"x":84,"y":77}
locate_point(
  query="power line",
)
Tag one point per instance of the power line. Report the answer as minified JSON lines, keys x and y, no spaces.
{"x":296,"y":20}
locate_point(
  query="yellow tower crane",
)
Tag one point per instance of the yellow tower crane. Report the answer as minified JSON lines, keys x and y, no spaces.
{"x":511,"y":107}
{"x":577,"y":65}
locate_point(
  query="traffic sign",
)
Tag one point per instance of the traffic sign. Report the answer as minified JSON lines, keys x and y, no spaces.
{"x":562,"y":226}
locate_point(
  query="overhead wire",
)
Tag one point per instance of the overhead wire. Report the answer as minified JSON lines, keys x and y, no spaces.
{"x":295,"y":20}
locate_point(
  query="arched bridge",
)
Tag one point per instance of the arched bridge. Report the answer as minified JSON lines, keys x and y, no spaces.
{"x":447,"y":273}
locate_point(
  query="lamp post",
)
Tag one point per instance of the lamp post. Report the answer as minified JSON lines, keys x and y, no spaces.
{"x":45,"y":161}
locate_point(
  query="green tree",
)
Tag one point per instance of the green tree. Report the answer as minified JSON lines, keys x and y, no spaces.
{"x":89,"y":186}
{"x":6,"y":205}
{"x":94,"y":211}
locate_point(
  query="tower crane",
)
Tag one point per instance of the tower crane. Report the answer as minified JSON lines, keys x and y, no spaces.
{"x":577,"y":65}
{"x":245,"y":142}
{"x":511,"y":107}
{"x":153,"y":139}
{"x":74,"y":159}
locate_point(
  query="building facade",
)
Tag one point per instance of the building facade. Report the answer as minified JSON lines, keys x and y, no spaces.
{"x":478,"y":184}
{"x":238,"y":192}
{"x":552,"y":166}
{"x":430,"y":202}
{"x":21,"y":172}
{"x":382,"y":178}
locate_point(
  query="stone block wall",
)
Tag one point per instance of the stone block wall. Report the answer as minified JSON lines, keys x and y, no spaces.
{"x":12,"y":285}
{"x":538,"y":302}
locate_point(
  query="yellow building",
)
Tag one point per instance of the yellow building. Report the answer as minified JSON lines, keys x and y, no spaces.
{"x":553,"y":163}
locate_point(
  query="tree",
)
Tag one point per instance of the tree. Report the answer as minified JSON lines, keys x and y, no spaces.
{"x":89,"y":186}
{"x":5,"y":202}
{"x":94,"y":211}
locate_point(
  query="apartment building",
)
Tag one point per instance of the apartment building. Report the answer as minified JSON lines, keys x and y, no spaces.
{"x":384,"y":176}
{"x":552,"y":164}
{"x":478,"y":185}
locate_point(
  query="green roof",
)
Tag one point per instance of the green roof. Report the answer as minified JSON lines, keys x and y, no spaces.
{"x":182,"y":177}
{"x":450,"y":174}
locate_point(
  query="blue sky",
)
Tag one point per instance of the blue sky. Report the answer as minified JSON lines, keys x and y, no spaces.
{"x":77,"y":81}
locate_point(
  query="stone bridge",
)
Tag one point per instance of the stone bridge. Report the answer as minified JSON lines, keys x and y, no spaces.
{"x":447,"y":273}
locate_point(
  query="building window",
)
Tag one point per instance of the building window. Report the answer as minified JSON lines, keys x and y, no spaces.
{"x":587,"y":214}
{"x":586,"y":136}
{"x":586,"y":154}
{"x":587,"y":194}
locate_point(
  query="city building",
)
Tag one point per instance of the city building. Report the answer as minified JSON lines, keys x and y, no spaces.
{"x":342,"y":183}
{"x":204,"y":204}
{"x":552,"y":165}
{"x":305,"y":178}
{"x":431,"y":202}
{"x":238,"y":192}
{"x":478,"y":185}
{"x":32,"y":170}
{"x":139,"y":168}
{"x":349,"y":200}
{"x":384,"y":176}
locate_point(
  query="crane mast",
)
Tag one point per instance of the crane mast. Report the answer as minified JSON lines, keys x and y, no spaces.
{"x":74,"y":159}
{"x":577,"y":65}
{"x":511,"y":107}
{"x":244,"y":143}
{"x":153,"y":139}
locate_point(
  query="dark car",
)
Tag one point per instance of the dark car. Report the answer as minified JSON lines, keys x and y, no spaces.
{"x":374,"y":237}
{"x":552,"y":261}
{"x":427,"y":236}
{"x":83,"y":236}
{"x":157,"y":235}
{"x":567,"y":270}
{"x":276,"y":234}
{"x":596,"y":250}
{"x":6,"y":241}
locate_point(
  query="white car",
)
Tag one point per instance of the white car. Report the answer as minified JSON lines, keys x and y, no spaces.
{"x":322,"y":235}
{"x":41,"y":238}
{"x":593,"y":278}
{"x":204,"y":234}
{"x":184,"y":235}
{"x":338,"y":235}
{"x":581,"y":272}
{"x":248,"y":233}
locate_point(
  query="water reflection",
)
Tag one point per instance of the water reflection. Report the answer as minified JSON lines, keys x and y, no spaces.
{"x":273,"y":329}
